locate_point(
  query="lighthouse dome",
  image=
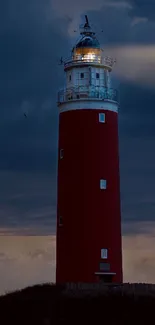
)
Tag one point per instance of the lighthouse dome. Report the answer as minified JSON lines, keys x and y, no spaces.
{"x":87,"y":49}
{"x":88,"y":41}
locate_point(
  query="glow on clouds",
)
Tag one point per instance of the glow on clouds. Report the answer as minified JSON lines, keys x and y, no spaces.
{"x":134,"y":63}
{"x":28,"y":260}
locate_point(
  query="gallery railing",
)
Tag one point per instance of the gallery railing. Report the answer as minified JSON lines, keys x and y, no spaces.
{"x":84,"y":93}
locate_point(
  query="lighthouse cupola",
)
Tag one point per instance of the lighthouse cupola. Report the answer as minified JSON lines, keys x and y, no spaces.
{"x":87,"y":71}
{"x":88,"y":48}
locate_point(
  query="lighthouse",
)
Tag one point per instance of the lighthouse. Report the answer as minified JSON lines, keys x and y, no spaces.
{"x":88,"y":244}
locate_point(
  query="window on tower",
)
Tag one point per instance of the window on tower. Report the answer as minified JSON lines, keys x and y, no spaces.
{"x":61,"y":153}
{"x":70,"y":77}
{"x":104,"y":253}
{"x":102,"y":117}
{"x":60,"y":221}
{"x":103,"y":184}
{"x":104,"y":267}
{"x":97,"y":75}
{"x":82,"y":75}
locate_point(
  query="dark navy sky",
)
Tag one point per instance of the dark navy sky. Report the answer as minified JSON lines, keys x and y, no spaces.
{"x":34,"y":34}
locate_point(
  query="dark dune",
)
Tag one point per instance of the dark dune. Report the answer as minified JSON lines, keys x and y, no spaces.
{"x":49,"y":304}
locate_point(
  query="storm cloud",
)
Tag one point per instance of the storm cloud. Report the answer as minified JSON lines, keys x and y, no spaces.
{"x":34,"y":35}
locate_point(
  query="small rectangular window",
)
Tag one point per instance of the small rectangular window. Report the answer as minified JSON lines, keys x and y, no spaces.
{"x":101,"y":117}
{"x":60,"y":221}
{"x":104,"y":253}
{"x":70,"y":77}
{"x":82,"y":75}
{"x":103,"y":184}
{"x":104,"y":267}
{"x":97,"y":75}
{"x":61,"y":153}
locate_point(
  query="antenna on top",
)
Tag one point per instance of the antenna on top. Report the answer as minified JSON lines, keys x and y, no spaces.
{"x":86,"y":29}
{"x":87,"y":22}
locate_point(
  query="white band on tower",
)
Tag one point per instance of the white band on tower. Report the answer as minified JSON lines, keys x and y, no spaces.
{"x":89,"y":104}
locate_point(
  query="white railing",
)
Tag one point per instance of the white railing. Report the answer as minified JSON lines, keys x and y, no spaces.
{"x":80,"y":93}
{"x":104,"y":61}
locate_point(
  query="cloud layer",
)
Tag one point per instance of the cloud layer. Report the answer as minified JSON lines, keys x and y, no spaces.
{"x":135,"y":64}
{"x":28,"y":260}
{"x":28,"y":205}
{"x":34,"y":35}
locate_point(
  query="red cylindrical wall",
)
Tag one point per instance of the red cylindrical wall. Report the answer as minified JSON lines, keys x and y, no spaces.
{"x":91,"y":217}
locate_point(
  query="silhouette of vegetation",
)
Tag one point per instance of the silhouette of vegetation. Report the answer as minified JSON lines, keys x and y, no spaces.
{"x":49,"y":304}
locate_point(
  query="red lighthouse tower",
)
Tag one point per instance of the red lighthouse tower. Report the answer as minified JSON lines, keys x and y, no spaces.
{"x":89,"y":247}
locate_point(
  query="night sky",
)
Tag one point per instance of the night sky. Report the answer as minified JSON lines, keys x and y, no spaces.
{"x":34,"y":34}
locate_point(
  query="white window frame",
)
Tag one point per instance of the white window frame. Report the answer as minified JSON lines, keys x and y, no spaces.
{"x":103,"y":184}
{"x":102,"y":117}
{"x":104,"y":253}
{"x":61,"y":153}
